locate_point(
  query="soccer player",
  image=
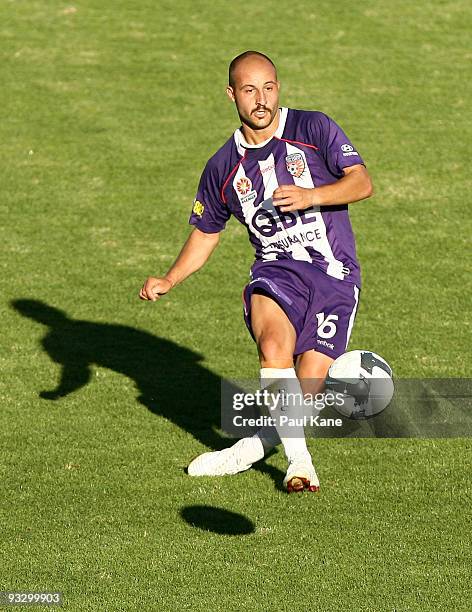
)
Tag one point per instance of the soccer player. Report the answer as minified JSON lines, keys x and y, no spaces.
{"x":288,"y":176}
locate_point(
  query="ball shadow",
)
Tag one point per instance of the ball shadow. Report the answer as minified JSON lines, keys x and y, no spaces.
{"x":217,"y":520}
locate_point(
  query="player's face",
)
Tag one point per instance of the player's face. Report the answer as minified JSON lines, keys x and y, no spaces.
{"x":255,"y":92}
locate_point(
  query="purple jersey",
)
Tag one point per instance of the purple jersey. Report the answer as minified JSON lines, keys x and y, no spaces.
{"x":309,"y":150}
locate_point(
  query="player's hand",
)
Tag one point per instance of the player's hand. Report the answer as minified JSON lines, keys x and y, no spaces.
{"x":292,"y":197}
{"x":153,"y":288}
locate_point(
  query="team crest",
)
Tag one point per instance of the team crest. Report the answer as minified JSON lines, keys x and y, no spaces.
{"x":198,"y":208}
{"x":244,"y":185}
{"x":295,"y":164}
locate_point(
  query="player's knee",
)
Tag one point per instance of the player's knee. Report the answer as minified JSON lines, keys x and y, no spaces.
{"x":272,"y":347}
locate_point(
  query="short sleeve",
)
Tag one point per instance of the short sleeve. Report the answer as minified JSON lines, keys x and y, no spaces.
{"x":335,"y":147}
{"x":209,"y":213}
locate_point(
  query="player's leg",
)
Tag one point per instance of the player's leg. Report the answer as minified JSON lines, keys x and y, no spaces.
{"x":276,"y":339}
{"x":275,"y":306}
{"x":323,"y":321}
{"x":312,"y":368}
{"x":273,"y":332}
{"x":324,"y":335}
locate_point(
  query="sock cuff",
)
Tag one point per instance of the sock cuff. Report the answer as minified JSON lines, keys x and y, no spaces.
{"x":274,"y":373}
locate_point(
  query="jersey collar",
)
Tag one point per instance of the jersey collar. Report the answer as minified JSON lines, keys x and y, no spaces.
{"x":241,"y":143}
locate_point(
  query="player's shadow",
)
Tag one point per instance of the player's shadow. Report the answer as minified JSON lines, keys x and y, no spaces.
{"x":170,"y":379}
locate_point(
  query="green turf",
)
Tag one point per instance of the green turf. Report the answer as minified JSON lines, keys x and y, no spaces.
{"x":109,"y":111}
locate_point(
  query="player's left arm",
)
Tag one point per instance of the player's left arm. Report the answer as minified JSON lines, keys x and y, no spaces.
{"x":355,"y":185}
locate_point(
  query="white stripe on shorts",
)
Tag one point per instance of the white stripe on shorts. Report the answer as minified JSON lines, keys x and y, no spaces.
{"x":353,"y":315}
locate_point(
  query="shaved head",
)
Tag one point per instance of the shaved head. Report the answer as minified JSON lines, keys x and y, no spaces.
{"x":240,"y":59}
{"x":254,"y":88}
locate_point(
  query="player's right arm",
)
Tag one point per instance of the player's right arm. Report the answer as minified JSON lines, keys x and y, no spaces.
{"x":194,"y":254}
{"x":209,"y":217}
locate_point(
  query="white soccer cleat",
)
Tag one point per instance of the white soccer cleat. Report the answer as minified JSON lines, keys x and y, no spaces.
{"x":236,"y":458}
{"x":301,"y":475}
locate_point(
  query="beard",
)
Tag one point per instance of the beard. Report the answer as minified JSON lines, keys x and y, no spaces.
{"x":259,"y":123}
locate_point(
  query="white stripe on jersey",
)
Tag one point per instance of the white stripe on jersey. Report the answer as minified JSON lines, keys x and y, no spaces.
{"x":267,"y":168}
{"x":248,"y":208}
{"x":353,"y":315}
{"x":335,"y":267}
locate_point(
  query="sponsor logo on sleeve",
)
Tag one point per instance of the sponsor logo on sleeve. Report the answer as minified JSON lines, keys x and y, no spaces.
{"x":348,"y":150}
{"x":198,"y":208}
{"x":295,"y":164}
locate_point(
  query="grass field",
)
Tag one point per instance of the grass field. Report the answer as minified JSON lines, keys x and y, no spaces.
{"x":109,"y":112}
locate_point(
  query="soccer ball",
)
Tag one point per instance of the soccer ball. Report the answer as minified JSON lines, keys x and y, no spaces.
{"x":362,"y":384}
